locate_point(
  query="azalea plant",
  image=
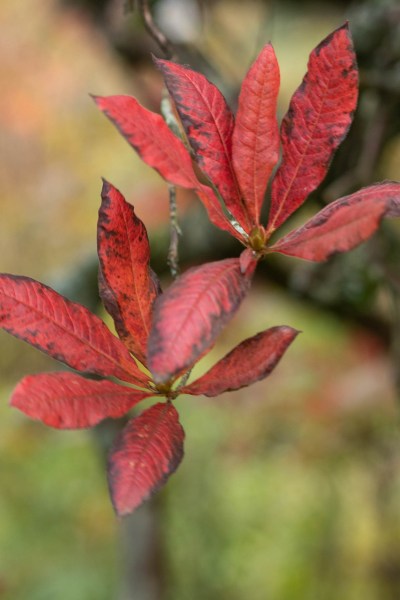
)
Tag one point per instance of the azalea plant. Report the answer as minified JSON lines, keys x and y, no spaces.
{"x":229,"y":162}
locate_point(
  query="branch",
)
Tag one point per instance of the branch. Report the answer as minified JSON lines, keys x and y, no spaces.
{"x":173,"y":256}
{"x":158,"y":36}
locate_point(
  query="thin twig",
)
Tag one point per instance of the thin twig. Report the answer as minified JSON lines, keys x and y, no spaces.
{"x":168,"y":49}
{"x":175,"y":232}
{"x":159,"y":37}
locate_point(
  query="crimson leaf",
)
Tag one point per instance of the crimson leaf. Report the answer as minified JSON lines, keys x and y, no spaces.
{"x":209,"y":123}
{"x":144,"y":455}
{"x":63,"y":329}
{"x":255,"y":144}
{"x":190,"y":314}
{"x":250,"y":361}
{"x":150,"y":136}
{"x":319,"y":116}
{"x":341,"y":225}
{"x":128,"y":286}
{"x":69,"y":401}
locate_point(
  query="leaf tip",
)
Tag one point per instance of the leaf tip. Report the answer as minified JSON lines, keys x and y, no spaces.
{"x":248,"y":262}
{"x":98,"y":100}
{"x":157,"y":61}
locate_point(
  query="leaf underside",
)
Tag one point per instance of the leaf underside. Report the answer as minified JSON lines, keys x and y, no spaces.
{"x":145,"y":454}
{"x":63,"y":329}
{"x":191,"y":313}
{"x":255,"y":143}
{"x":69,"y":401}
{"x":341,"y":225}
{"x":128,"y":286}
{"x":319,"y":116}
{"x":249,"y":362}
{"x":209,"y":124}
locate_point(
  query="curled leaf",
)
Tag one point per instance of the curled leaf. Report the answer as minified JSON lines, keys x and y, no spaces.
{"x":128,"y":286}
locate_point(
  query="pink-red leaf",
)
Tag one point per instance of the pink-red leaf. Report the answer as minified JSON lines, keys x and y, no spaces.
{"x":145,"y":454}
{"x":155,"y":143}
{"x":340,"y":226}
{"x":319,"y":116}
{"x":215,"y":212}
{"x":149,"y":135}
{"x":69,"y":401}
{"x":255,"y":144}
{"x":248,"y":260}
{"x":251,"y":361}
{"x":209,"y":123}
{"x":63,"y":329}
{"x":128,"y":286}
{"x":190,"y":314}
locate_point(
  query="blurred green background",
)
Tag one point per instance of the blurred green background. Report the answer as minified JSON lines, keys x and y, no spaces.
{"x":290,"y":489}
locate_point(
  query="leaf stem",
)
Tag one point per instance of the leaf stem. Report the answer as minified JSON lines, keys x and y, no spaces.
{"x":184,"y":380}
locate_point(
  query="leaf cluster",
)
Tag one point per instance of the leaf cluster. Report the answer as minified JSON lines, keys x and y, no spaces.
{"x":229,"y":162}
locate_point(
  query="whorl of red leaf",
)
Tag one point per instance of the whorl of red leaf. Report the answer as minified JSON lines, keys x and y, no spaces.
{"x":208,"y":122}
{"x":63,"y":329}
{"x":319,"y":116}
{"x":128,"y":286}
{"x":250,"y":361}
{"x":69,"y":401}
{"x":255,"y":144}
{"x":191,"y":313}
{"x":144,"y":455}
{"x":340,"y":226}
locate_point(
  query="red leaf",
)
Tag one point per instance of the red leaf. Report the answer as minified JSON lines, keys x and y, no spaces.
{"x":255,"y":144}
{"x":209,"y":123}
{"x":340,"y":226}
{"x":319,"y":116}
{"x":248,"y":261}
{"x":145,"y":454}
{"x":251,"y":361}
{"x":215,"y":212}
{"x":69,"y":401}
{"x":128,"y":286}
{"x":65,"y":330}
{"x":150,"y":136}
{"x":190,"y":314}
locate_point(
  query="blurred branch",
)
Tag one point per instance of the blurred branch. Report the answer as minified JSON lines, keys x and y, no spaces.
{"x":158,"y":36}
{"x":175,"y":232}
